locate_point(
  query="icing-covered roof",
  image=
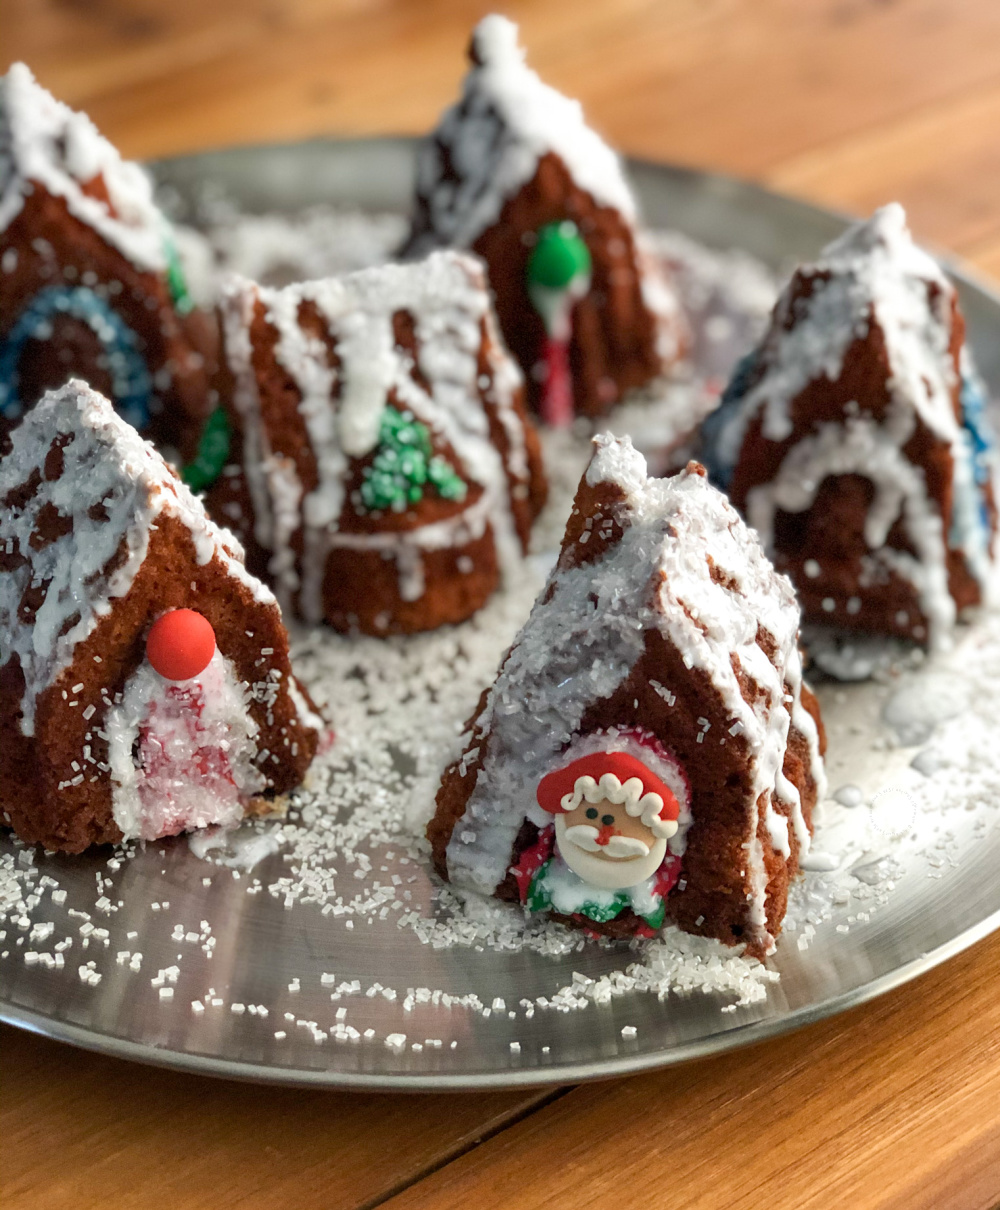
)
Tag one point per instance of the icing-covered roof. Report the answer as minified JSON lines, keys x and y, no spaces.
{"x":342,"y":405}
{"x":44,"y":142}
{"x":874,"y":271}
{"x":506,"y":120}
{"x":111,"y":487}
{"x":685,"y":565}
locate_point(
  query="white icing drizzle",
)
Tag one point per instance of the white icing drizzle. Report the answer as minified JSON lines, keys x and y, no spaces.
{"x":305,"y":712}
{"x":105,"y":463}
{"x":872,"y":273}
{"x":506,"y":120}
{"x":406,"y":547}
{"x":586,"y":633}
{"x":44,"y":142}
{"x":865,"y":448}
{"x":447,"y":299}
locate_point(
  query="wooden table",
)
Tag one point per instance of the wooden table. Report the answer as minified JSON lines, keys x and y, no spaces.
{"x":893,"y":1105}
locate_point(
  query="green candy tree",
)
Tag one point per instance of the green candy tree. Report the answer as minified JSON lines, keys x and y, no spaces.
{"x":404,"y":465}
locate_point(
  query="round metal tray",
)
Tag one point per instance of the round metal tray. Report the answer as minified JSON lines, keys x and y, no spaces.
{"x":292,"y":960}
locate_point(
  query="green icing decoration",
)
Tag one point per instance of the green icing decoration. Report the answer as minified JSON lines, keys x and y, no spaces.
{"x":404,"y":463}
{"x":539,"y":900}
{"x":559,"y":256}
{"x":177,"y":283}
{"x":213,"y":450}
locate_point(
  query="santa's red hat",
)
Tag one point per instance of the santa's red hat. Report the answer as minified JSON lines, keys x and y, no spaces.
{"x":617,"y":776}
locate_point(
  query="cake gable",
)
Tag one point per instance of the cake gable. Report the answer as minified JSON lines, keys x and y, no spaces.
{"x":146,"y":683}
{"x":491,"y":141}
{"x":44,"y":142}
{"x":847,"y":438}
{"x":663,"y":618}
{"x":82,"y":495}
{"x":515,"y":174}
{"x":378,"y":414}
{"x":91,"y":284}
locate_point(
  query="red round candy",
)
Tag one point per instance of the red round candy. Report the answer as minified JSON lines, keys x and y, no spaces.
{"x":180,"y":644}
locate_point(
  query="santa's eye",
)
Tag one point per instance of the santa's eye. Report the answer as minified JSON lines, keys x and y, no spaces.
{"x":591,"y":812}
{"x":607,"y":820}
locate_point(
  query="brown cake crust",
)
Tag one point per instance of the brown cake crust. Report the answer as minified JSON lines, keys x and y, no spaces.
{"x":710,"y":899}
{"x":361,"y":588}
{"x":34,"y":798}
{"x":54,"y":247}
{"x":830,"y":533}
{"x":711,"y":896}
{"x":615,"y":341}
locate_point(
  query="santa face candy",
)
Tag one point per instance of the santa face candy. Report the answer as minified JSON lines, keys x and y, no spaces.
{"x":90,"y":282}
{"x":854,"y":441}
{"x":146,"y":686}
{"x":385,"y":470}
{"x":648,"y":752}
{"x":514,"y":173}
{"x":619,"y":827}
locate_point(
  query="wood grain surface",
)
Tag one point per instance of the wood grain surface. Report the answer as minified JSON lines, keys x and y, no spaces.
{"x":86,"y":1132}
{"x":895,"y":1105}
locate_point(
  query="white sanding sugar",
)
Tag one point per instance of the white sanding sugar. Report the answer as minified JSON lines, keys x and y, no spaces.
{"x":488,"y":145}
{"x":43,"y":140}
{"x":351,"y":854}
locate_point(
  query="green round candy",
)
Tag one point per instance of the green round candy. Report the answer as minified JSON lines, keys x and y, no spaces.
{"x":559,"y":256}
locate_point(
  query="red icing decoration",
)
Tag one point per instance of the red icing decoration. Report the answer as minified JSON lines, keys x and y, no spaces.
{"x":532,"y":860}
{"x":180,"y":644}
{"x":556,"y":403}
{"x":556,"y":785}
{"x":165,"y":781}
{"x":667,"y":875}
{"x":605,"y":833}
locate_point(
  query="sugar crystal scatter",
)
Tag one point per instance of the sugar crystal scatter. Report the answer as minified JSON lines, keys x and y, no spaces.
{"x":399,"y":707}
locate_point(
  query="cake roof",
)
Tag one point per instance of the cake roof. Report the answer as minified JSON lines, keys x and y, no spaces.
{"x":873,"y":272}
{"x":493,"y":138}
{"x":686,"y":566}
{"x":447,"y":298}
{"x":101,"y":499}
{"x":43,"y":141}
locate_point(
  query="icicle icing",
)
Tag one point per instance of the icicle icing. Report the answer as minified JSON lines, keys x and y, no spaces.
{"x":104,"y":494}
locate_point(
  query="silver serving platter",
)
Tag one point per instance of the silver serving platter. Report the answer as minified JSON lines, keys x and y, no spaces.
{"x":266,"y":955}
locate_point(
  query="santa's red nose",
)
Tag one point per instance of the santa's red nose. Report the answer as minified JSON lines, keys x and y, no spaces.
{"x":606,"y":832}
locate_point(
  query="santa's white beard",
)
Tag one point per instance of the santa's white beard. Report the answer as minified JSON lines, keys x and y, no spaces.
{"x":588,"y":838}
{"x":599,"y":871}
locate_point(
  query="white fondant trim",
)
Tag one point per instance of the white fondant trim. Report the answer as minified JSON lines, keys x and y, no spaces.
{"x":646,"y":807}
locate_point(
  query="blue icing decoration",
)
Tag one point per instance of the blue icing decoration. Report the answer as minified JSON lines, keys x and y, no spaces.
{"x":970,"y":528}
{"x":976,"y":422}
{"x":720,"y":467}
{"x":131,"y":382}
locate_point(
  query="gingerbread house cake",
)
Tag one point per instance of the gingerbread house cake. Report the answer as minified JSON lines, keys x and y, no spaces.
{"x":854,"y":439}
{"x":90,"y":283}
{"x":648,"y":752}
{"x":146,"y":685}
{"x":385,"y":472}
{"x":514,"y":173}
